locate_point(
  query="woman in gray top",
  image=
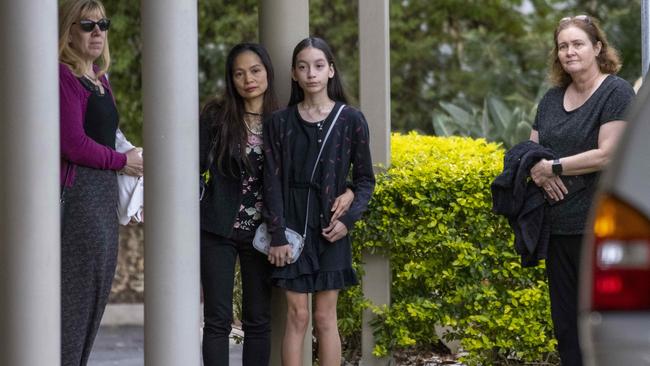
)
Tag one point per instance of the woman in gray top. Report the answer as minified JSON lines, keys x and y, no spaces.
{"x":580,"y":119}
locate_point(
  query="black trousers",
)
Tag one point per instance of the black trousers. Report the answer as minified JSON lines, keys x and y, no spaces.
{"x":562,"y":269}
{"x":218,"y":258}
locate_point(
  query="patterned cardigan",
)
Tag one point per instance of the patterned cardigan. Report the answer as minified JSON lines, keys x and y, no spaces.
{"x":347,"y":148}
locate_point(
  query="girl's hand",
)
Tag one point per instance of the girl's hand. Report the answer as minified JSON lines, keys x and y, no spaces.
{"x":335,"y":231}
{"x":280,"y":256}
{"x":341,"y":205}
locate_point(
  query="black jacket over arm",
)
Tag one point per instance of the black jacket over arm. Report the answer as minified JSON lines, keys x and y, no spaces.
{"x":347,"y":148}
{"x":516,"y":196}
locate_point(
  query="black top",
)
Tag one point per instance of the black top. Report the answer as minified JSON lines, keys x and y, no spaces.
{"x":347,"y":149}
{"x":307,"y":143}
{"x":101,"y":119}
{"x":571,"y":132}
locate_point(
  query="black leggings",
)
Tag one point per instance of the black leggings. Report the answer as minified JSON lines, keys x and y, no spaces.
{"x":218,"y":258}
{"x":562,"y":269}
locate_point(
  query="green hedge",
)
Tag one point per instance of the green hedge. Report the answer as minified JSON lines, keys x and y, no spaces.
{"x":452,"y":259}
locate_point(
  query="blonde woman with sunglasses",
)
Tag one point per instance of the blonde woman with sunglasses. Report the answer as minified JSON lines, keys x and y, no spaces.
{"x":580,"y":119}
{"x":89,"y":163}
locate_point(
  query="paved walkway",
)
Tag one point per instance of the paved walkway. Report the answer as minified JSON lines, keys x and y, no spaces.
{"x":124,"y":346}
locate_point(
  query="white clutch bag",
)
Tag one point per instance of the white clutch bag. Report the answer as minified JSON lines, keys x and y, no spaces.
{"x":262,"y":241}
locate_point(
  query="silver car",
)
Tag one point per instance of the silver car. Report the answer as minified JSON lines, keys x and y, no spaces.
{"x":615,"y":277}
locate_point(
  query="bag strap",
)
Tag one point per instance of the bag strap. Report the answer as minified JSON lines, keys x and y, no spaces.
{"x":313,"y":172}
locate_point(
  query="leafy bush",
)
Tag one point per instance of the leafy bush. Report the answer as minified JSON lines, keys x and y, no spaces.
{"x":495,"y":121}
{"x":452,"y":259}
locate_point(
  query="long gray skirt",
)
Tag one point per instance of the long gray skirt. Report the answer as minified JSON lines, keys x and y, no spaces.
{"x":89,"y":243}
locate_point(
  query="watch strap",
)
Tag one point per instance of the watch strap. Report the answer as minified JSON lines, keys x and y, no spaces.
{"x":556,"y":167}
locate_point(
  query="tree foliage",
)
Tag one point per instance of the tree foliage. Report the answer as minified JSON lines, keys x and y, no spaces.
{"x":456,"y":51}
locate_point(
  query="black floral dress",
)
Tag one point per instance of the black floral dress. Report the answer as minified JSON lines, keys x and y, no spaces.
{"x":291,"y":148}
{"x":249,"y":215}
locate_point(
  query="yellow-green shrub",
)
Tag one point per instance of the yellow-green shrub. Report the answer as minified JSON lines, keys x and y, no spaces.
{"x":452,"y":259}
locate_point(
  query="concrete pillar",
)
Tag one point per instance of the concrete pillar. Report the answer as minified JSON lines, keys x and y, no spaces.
{"x":645,"y":36}
{"x":282,"y":24}
{"x":374,"y":91}
{"x":171,"y":104}
{"x":30,"y":309}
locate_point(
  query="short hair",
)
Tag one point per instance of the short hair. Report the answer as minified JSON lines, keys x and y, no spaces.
{"x":608,"y":60}
{"x":70,"y":12}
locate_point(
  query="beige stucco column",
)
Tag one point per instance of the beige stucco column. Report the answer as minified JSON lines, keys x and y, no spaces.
{"x":374,"y":90}
{"x":29,"y":185}
{"x":171,"y":136}
{"x":645,"y":36}
{"x":282,"y":24}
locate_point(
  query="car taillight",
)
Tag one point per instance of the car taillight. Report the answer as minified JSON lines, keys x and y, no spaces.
{"x":621,"y":257}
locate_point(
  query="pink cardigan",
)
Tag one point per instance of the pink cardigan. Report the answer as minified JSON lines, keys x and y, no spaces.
{"x":76,"y":147}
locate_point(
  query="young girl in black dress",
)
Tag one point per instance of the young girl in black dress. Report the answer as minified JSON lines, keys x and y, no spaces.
{"x":293,"y":138}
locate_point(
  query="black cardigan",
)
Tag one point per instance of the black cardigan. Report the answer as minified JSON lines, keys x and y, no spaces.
{"x":347,"y":148}
{"x":223,"y":194}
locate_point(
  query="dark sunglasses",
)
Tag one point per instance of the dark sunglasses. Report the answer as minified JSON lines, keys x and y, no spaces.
{"x":88,"y":25}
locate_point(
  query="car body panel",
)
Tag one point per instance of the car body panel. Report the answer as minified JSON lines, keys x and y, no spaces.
{"x":620,"y":338}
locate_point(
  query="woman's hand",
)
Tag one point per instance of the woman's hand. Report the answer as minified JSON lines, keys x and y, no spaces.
{"x":555,"y":188}
{"x":335,"y":231}
{"x":542,"y":172}
{"x":341,"y":204}
{"x":280,"y":256}
{"x":134,"y":164}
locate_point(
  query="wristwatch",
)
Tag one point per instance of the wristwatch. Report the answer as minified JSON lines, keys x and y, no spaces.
{"x":557,"y":167}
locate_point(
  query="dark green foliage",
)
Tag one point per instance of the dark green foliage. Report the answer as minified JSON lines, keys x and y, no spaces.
{"x":441,"y":51}
{"x":495,"y":121}
{"x":126,"y":56}
{"x":222,"y":24}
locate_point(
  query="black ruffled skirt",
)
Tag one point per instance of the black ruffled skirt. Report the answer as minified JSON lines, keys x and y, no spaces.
{"x":321,"y":266}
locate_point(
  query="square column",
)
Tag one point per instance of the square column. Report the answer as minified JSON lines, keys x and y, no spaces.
{"x":171,"y":131}
{"x":30,"y":235}
{"x":282,"y":24}
{"x":374,"y":91}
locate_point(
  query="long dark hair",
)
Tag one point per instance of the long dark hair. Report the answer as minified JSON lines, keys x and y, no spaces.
{"x":226,"y":114}
{"x":334,"y":86}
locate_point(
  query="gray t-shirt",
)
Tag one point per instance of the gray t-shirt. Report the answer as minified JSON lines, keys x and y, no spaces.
{"x":576,"y":131}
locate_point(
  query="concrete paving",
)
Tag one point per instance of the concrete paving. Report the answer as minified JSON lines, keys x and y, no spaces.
{"x":124,"y":346}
